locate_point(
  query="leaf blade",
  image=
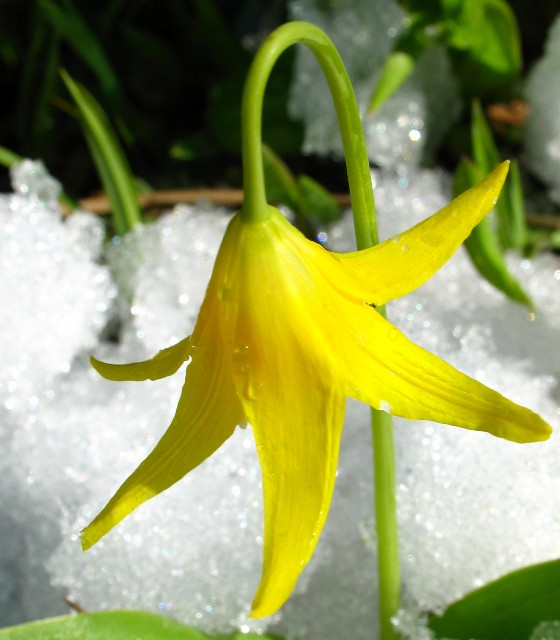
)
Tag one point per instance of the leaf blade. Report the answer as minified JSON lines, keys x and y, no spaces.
{"x":109,"y":158}
{"x":507,"y":609}
{"x":483,"y":247}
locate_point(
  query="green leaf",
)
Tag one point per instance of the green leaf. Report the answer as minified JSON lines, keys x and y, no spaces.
{"x":452,"y":7}
{"x":396,"y":69}
{"x":110,"y":160}
{"x":484,"y":39}
{"x":408,"y":49}
{"x":485,"y":152}
{"x":483,"y":246}
{"x":310,"y":201}
{"x":510,"y":209}
{"x":70,"y":25}
{"x":316,"y":202}
{"x":281,"y":186}
{"x":422,"y":7}
{"x":507,"y":609}
{"x":248,"y":636}
{"x":115,"y":625}
{"x":489,"y":261}
{"x":211,"y":27}
{"x":195,"y":147}
{"x":38,"y":82}
{"x":517,"y":230}
{"x":8,"y":158}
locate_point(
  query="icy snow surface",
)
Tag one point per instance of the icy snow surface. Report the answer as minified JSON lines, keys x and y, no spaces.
{"x":408,"y":127}
{"x":471,"y":506}
{"x":55,"y":297}
{"x":542,"y":133}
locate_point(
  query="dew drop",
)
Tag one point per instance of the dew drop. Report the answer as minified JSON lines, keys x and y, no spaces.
{"x":240,"y":351}
{"x":385,"y":406}
{"x":224,"y":294}
{"x":322,"y":237}
{"x":254,"y":389}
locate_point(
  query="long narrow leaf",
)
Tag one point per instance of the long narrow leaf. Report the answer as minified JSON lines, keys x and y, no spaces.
{"x":401,"y":62}
{"x":281,"y":186}
{"x":510,"y":210}
{"x":397,"y":68}
{"x":71,"y":26}
{"x":8,"y":158}
{"x":485,"y":152}
{"x":489,"y":261}
{"x":518,"y":230}
{"x":483,"y":247}
{"x":110,"y":160}
{"x":38,"y":81}
{"x":212,"y":27}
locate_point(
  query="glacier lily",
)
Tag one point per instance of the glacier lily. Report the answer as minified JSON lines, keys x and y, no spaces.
{"x":286,"y":332}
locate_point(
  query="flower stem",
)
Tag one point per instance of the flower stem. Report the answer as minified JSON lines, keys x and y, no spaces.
{"x":386,"y":521}
{"x":255,"y":209}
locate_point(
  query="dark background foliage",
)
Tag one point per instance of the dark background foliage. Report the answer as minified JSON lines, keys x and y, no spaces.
{"x":169,"y":74}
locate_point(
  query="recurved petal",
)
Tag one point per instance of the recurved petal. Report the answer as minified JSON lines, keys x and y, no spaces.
{"x":163,"y":364}
{"x":293,"y":403}
{"x":390,"y":372}
{"x":206,"y":416}
{"x":401,"y":264}
{"x":297,"y":429}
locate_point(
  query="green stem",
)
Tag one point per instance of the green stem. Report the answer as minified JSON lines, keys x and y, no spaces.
{"x":359,"y":178}
{"x":255,"y":209}
{"x":386,"y":521}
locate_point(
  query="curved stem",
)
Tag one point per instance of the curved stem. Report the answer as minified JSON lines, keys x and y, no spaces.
{"x":359,"y":179}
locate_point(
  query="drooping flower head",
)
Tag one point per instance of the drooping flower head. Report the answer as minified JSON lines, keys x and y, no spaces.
{"x":286,"y":332}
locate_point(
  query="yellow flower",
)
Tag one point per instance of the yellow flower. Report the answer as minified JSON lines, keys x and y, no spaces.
{"x":286,"y":332}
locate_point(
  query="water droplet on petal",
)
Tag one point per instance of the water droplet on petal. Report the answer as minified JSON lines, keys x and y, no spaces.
{"x":224,"y":294}
{"x":385,"y":406}
{"x":240,"y":351}
{"x":254,"y":388}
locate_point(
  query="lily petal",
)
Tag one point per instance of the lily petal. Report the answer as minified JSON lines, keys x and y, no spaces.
{"x":378,"y":365}
{"x":403,"y":263}
{"x":390,"y":372}
{"x":298,"y":462}
{"x":163,"y":364}
{"x":206,"y":416}
{"x":297,"y":426}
